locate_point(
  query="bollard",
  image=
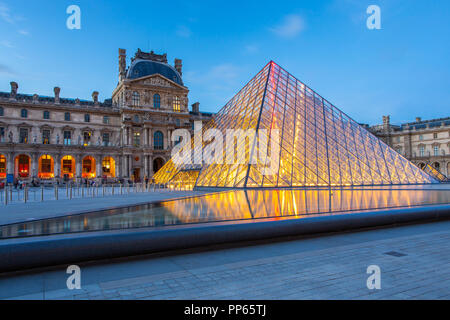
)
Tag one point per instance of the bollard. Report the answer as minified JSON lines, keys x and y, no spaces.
{"x":121,"y":191}
{"x":103,"y":190}
{"x":25,"y":194}
{"x":6,"y":195}
{"x":42,"y":193}
{"x":56,"y":192}
{"x":112,"y":189}
{"x":70,"y":191}
{"x":67,"y":190}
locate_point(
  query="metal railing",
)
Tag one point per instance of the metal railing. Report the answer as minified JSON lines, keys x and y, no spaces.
{"x":10,"y":195}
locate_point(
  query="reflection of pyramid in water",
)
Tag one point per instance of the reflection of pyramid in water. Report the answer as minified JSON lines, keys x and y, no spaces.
{"x":319,"y":144}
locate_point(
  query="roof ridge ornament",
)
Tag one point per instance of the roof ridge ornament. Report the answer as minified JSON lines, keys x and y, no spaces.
{"x":152,"y":56}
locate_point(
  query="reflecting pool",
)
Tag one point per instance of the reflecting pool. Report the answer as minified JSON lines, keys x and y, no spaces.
{"x":229,"y":206}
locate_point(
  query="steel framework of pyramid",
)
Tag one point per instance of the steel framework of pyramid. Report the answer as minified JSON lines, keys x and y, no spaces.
{"x":319,"y":144}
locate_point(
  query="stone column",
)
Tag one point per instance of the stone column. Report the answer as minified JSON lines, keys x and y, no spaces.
{"x":57,"y":165}
{"x":151,"y":165}
{"x":146,"y":173}
{"x":10,"y":163}
{"x":124,"y":166}
{"x":118,"y":166}
{"x":150,"y":138}
{"x":98,"y":169}
{"x":78,"y":166}
{"x":34,"y":165}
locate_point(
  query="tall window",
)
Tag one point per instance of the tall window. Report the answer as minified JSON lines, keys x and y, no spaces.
{"x":45,"y":136}
{"x":46,"y":115}
{"x":106,"y":139}
{"x":176,"y":104}
{"x":86,"y":138}
{"x":158,"y":142}
{"x":24,"y":113}
{"x":136,"y":98}
{"x":23,"y":135}
{"x":2,"y":166}
{"x":67,"y":137}
{"x":156,"y":101}
{"x":435,"y":135}
{"x":2,"y":134}
{"x":87,"y":118}
{"x":106,"y":120}
{"x":436,"y":150}
{"x":421,"y":137}
{"x":422,"y":151}
{"x":2,"y":112}
{"x":137,"y":139}
{"x":67,"y":116}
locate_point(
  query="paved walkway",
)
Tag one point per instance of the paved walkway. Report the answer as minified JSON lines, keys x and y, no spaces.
{"x":327,"y":267}
{"x":20,"y":212}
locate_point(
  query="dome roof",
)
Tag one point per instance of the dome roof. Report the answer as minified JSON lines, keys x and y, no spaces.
{"x":142,"y":68}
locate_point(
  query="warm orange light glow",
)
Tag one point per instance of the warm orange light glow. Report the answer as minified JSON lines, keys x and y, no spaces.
{"x":88,"y":169}
{"x":68,"y":166}
{"x":46,"y":167}
{"x":2,"y":166}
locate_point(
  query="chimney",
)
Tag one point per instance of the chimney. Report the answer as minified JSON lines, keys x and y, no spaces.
{"x":122,"y":63}
{"x":418,"y":119}
{"x":196,"y":107}
{"x":56,"y":90}
{"x":95,"y":97}
{"x":14,"y":87}
{"x":178,"y":66}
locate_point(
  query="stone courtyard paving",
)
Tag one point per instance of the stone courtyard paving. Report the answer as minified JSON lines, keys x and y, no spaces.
{"x":325,"y":267}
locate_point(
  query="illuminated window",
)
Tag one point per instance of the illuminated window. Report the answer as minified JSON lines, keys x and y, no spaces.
{"x":46,"y":167}
{"x":67,"y":116}
{"x":137,"y":139}
{"x":23,"y":135}
{"x":2,"y":166}
{"x":46,"y":115}
{"x":176,"y":104}
{"x":158,"y":142}
{"x":23,"y":167}
{"x":88,"y":167}
{"x":109,"y":167}
{"x":136,"y":98}
{"x":86,"y":138}
{"x":67,"y":166}
{"x":45,"y":136}
{"x":156,"y":101}
{"x":67,"y":137}
{"x":24,"y":113}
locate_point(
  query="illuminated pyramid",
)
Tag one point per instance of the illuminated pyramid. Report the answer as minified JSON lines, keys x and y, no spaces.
{"x":318,"y":144}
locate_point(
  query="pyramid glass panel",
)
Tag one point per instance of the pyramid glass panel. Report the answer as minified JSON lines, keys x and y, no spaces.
{"x":309,"y":143}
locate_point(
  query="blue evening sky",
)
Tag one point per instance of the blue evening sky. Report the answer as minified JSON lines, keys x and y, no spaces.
{"x":402,"y":70}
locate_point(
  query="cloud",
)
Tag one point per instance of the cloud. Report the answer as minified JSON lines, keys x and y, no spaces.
{"x":290,"y":27}
{"x":24,"y":32}
{"x":6,"y":44}
{"x":6,"y":70}
{"x":251,"y":49}
{"x":184,"y":32}
{"x":5,"y":14}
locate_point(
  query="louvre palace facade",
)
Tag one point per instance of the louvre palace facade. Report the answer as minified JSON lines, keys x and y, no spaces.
{"x":125,"y":137}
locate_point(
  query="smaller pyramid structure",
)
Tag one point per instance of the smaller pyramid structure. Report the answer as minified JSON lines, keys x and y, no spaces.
{"x":318,"y":144}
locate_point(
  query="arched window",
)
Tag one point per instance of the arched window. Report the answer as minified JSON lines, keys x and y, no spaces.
{"x":156,"y":101}
{"x":24,"y":113}
{"x":2,"y":112}
{"x":176,"y":104}
{"x":136,"y":98}
{"x":158,"y":142}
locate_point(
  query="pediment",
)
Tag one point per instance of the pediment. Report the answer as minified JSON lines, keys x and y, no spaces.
{"x":157,"y":80}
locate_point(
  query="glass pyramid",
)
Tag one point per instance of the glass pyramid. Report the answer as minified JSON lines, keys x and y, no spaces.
{"x":318,"y":144}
